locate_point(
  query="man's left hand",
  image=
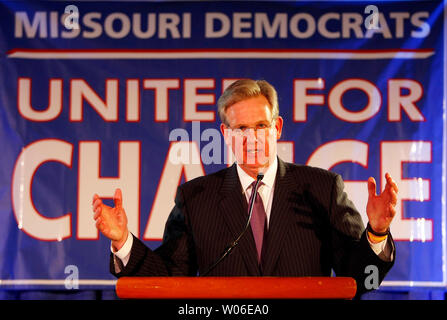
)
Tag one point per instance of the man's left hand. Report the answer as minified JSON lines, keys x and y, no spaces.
{"x":381,"y":208}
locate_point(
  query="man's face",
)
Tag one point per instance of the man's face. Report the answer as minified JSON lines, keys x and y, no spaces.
{"x":252,"y":133}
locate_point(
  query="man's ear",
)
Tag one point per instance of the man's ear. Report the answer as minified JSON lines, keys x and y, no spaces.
{"x":278,"y":126}
{"x":222,"y":129}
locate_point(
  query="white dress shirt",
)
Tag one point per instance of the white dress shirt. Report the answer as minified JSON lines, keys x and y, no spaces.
{"x":265,"y":190}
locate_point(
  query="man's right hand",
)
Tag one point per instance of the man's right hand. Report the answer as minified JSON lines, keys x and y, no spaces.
{"x":112,"y":222}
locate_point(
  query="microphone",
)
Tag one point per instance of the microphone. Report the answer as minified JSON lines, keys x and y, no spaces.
{"x":233,"y":244}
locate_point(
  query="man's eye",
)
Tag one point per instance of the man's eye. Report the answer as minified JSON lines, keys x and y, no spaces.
{"x":261,"y":126}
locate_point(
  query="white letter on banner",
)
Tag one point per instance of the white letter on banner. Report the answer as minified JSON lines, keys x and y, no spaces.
{"x":382,"y":28}
{"x":345,"y":151}
{"x":28,"y":218}
{"x":54,"y":97}
{"x":54,"y":24}
{"x":136,"y":26}
{"x":133,"y":104}
{"x":393,"y":154}
{"x":186,"y":25}
{"x":192,"y":99}
{"x":167,"y":188}
{"x":39,"y":23}
{"x":352,"y":22}
{"x":90,"y":23}
{"x":210,"y":32}
{"x":263,"y":25}
{"x":301,"y":99}
{"x":396,"y":101}
{"x":322,"y":25}
{"x":168,"y":22}
{"x":91,"y":182}
{"x":399,"y":17}
{"x":79,"y":89}
{"x":310,"y":24}
{"x":421,"y":24}
{"x":124,"y":23}
{"x":161,"y":87}
{"x":336,"y":104}
{"x":239,"y":25}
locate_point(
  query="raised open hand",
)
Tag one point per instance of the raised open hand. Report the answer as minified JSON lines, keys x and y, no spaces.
{"x":381,"y":208}
{"x":112,"y":222}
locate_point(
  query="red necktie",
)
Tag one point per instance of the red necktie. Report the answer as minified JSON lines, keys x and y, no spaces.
{"x":258,"y":220}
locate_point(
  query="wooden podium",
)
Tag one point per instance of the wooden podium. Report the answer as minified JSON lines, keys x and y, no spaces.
{"x":236,"y":288}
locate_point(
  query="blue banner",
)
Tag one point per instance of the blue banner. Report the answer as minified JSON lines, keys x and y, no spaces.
{"x":99,"y":95}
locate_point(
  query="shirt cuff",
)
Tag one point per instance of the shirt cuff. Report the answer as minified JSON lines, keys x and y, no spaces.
{"x":124,"y":253}
{"x":377,"y":247}
{"x":382,"y":249}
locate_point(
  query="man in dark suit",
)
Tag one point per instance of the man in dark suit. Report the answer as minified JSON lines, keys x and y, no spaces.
{"x":303,"y":224}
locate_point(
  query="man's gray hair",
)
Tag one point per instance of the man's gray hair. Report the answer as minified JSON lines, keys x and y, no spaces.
{"x":244,"y":89}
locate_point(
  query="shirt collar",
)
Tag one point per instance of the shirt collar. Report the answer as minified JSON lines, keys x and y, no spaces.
{"x":268,"y":180}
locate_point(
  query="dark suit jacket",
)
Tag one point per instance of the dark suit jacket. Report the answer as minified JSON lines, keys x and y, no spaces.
{"x":314,"y":228}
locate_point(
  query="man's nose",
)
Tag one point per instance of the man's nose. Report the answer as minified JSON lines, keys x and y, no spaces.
{"x":251,"y":135}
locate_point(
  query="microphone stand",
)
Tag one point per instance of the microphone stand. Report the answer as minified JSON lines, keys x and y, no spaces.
{"x":236,"y":241}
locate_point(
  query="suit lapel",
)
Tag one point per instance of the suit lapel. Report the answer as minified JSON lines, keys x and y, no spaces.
{"x":280,"y":217}
{"x":234,"y":209}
